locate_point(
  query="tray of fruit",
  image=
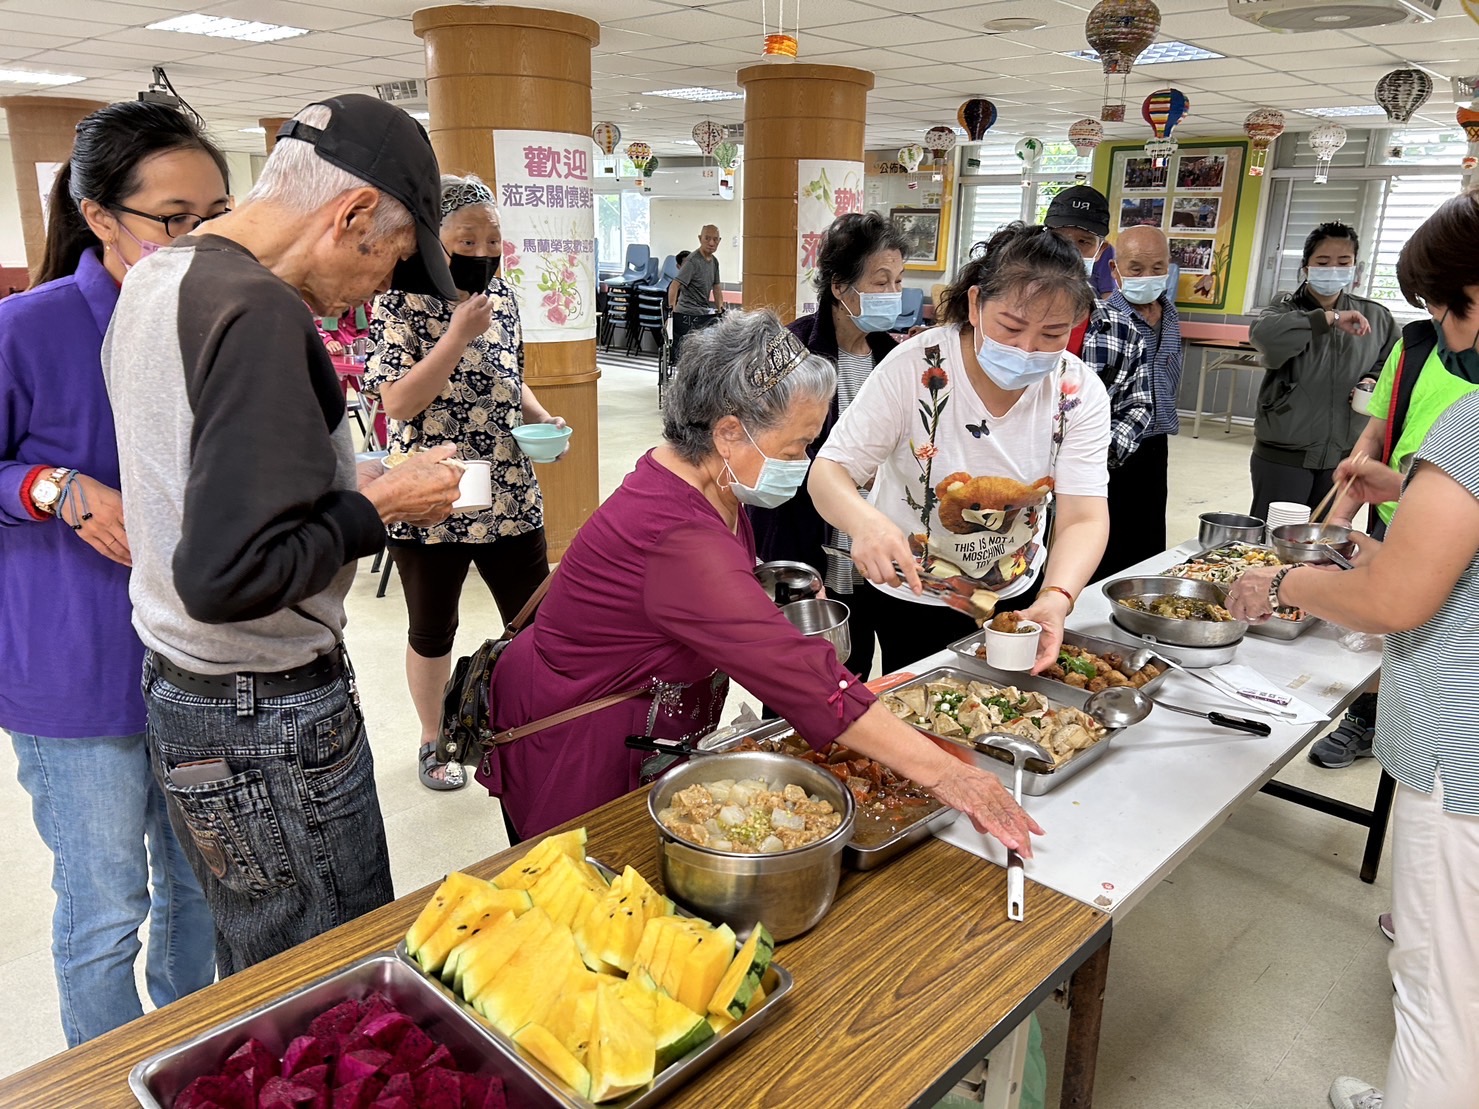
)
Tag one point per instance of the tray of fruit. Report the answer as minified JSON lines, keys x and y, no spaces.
{"x":595,"y":986}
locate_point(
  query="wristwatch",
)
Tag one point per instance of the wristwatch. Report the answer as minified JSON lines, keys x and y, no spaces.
{"x":1273,"y":588}
{"x":46,"y":493}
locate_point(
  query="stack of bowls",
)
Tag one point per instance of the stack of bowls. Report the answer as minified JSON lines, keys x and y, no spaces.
{"x":1283,"y":513}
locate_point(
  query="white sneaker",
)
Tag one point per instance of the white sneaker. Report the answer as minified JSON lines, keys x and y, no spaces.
{"x":1388,"y":929}
{"x":1352,"y":1093}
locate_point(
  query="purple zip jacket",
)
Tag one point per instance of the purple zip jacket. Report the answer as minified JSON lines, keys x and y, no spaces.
{"x":70,"y":662}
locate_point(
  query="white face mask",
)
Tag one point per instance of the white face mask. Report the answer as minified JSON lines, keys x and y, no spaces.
{"x":1011,"y":367}
{"x":1329,"y":280}
{"x":1089,"y":264}
{"x":777,"y":483}
{"x":1143,"y":290}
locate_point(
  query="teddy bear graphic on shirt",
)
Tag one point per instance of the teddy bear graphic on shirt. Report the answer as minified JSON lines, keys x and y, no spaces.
{"x":989,"y":531}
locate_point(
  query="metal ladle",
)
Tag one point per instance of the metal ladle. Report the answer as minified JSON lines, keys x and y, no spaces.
{"x":1021,"y":749}
{"x":1122,"y":705}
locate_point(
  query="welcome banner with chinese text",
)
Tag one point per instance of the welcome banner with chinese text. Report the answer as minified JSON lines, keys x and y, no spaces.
{"x":825,"y":189}
{"x":548,"y":217}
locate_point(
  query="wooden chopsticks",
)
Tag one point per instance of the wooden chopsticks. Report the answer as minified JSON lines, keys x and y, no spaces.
{"x":1330,"y":500}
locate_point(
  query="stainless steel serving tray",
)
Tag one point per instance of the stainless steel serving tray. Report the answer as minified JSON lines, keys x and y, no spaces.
{"x":1195,"y":658}
{"x":777,"y":984}
{"x":1061,"y":691}
{"x":1277,"y":628}
{"x":159,"y":1079}
{"x":855,"y":856}
{"x":1037,"y":779}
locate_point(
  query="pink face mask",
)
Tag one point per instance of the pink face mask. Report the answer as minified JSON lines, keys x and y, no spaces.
{"x":145,"y":248}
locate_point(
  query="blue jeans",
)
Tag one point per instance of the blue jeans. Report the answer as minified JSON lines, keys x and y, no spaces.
{"x":96,"y":805}
{"x":291,"y":843}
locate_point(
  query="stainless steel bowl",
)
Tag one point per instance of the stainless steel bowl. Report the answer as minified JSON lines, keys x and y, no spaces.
{"x":1218,"y":528}
{"x":786,"y":582}
{"x":824,"y":617}
{"x":789,"y":891}
{"x":1186,"y":633}
{"x":1311,"y":542}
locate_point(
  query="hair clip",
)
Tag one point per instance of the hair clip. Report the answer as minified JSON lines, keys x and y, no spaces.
{"x":463,"y":194}
{"x":783,"y":354}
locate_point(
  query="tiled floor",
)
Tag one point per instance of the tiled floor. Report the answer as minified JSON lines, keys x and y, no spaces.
{"x":1249,"y":979}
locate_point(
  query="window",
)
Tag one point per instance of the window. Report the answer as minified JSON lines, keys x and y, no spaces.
{"x":622,"y":219}
{"x":994,"y":195}
{"x":1382,"y":194}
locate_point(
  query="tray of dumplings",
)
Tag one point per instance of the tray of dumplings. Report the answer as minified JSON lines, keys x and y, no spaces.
{"x":961,"y":711}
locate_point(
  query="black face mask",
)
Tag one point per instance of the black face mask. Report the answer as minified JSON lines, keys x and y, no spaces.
{"x":471,"y":273}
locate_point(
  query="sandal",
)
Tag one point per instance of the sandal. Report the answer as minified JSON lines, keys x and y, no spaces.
{"x":426,"y":763}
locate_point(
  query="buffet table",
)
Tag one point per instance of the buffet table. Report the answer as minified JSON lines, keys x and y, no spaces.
{"x":913,"y":977}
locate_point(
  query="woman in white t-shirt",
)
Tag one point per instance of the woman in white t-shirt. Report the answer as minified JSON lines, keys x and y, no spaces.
{"x":966,"y":435}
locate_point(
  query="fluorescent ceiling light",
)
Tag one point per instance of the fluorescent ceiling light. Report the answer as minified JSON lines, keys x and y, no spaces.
{"x":1337,"y":113}
{"x":30,"y":77}
{"x":1158,"y":52}
{"x":222,"y":27}
{"x":252,"y":130}
{"x":697,"y":94}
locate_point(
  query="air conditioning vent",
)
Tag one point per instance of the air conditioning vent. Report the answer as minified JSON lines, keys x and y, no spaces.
{"x":1290,"y":16}
{"x":410,"y":91}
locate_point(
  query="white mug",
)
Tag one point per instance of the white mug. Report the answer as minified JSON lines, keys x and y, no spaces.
{"x":1361,"y":399}
{"x":475,"y":489}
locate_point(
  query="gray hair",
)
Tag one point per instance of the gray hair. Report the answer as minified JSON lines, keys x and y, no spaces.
{"x":463,"y":192}
{"x":296,"y":178}
{"x":713,"y":380}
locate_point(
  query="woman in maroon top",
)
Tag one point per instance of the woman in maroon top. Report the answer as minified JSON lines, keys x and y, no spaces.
{"x":657,"y":593}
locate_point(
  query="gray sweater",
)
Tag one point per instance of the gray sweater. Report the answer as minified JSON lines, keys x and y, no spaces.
{"x":1304,"y":405}
{"x":239,"y":484}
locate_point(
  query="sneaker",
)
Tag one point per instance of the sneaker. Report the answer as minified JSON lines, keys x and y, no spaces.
{"x":1352,"y":1093}
{"x":1349,"y":742}
{"x":1388,"y":929}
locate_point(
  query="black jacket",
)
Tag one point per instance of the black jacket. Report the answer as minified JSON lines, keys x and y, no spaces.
{"x":794,"y":532}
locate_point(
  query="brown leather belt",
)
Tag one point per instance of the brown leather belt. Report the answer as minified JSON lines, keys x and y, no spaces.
{"x":277,"y":683}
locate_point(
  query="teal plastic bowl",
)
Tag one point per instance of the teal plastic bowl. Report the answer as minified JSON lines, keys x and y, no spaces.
{"x":542,"y":442}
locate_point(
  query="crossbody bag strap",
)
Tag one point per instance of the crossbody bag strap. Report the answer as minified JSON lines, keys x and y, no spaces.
{"x":527,"y":612}
{"x":555,"y":720}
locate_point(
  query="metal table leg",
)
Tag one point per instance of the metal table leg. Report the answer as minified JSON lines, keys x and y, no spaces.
{"x":1376,"y":835}
{"x":1374,"y":819}
{"x":1085,"y":1016}
{"x":1196,"y":427}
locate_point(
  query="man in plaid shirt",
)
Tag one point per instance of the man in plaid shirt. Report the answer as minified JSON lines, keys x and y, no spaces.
{"x":1112,"y":346}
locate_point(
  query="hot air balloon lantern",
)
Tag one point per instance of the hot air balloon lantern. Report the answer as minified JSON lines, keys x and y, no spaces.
{"x":1163,"y":110}
{"x":939,"y":141}
{"x":1086,"y":135}
{"x":1030,"y":151}
{"x":639,"y":154}
{"x":976,"y":116}
{"x":606,"y":136}
{"x":1326,"y":139}
{"x":727,"y":155}
{"x":909,"y":157}
{"x":779,"y":37}
{"x":1119,"y":31}
{"x":1262,"y":126}
{"x":1402,"y":92}
{"x":706,"y":135}
{"x":1468,"y":119}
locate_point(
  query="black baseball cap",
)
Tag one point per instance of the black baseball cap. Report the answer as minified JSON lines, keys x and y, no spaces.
{"x":384,"y":147}
{"x":1081,"y":207}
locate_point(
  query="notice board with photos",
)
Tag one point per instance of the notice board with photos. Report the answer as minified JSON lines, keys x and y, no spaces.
{"x":1196,"y":198}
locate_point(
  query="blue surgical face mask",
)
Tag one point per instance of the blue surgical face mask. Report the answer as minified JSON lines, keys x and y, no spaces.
{"x":1464,"y":362}
{"x":876,"y":311}
{"x":778,"y":481}
{"x":1013,"y":368}
{"x":1089,"y":264}
{"x":1143,"y":290}
{"x":1329,"y":280}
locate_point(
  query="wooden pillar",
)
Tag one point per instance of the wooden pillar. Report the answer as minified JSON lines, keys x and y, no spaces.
{"x":270,"y":125}
{"x":41,"y":132}
{"x":791,"y":112}
{"x":510,"y":68}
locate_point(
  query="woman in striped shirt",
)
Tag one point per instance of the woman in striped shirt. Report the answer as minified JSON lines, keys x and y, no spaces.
{"x":1421,"y":587}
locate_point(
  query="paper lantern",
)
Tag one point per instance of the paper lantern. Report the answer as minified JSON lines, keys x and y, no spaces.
{"x":939,"y":141}
{"x":1468,"y":119}
{"x":1326,"y":139}
{"x":1119,"y":31}
{"x":779,"y":48}
{"x":910,"y":156}
{"x":606,"y":136}
{"x":1029,"y":150}
{"x":1086,"y":135}
{"x":1402,"y":92}
{"x":727,"y":155}
{"x":1263,"y":126}
{"x":976,"y":116}
{"x":706,"y":135}
{"x":1163,"y":110}
{"x":639,"y":154}
{"x":778,"y":35}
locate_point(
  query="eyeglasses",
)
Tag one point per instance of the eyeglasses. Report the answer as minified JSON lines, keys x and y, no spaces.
{"x":181,"y":223}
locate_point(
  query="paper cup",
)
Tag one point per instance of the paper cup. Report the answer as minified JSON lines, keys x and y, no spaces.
{"x":475,"y":490}
{"x":1012,"y":650}
{"x":1361,"y":399}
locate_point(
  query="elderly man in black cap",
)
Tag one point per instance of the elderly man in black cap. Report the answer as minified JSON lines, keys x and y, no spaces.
{"x":246,"y":515}
{"x":1081,"y":215}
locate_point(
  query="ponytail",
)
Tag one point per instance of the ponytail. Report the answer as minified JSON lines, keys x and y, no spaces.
{"x":67,"y":233}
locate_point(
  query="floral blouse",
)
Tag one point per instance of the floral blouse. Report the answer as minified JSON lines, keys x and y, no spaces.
{"x":477,"y":410}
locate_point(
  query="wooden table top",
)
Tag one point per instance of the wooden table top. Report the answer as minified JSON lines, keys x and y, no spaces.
{"x":913,"y":975}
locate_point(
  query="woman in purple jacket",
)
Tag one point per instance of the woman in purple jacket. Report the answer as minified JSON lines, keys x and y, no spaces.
{"x":140,"y":175}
